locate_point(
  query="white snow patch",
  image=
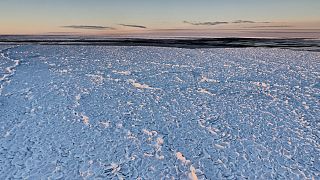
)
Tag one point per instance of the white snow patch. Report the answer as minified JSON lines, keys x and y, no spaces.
{"x":78,"y":97}
{"x":96,"y":79}
{"x":149,"y":133}
{"x":205,"y":91}
{"x":140,"y":86}
{"x":85,"y":119}
{"x":262,"y":85}
{"x":179,"y":80}
{"x":192,"y":174}
{"x":205,"y":79}
{"x":181,"y":157}
{"x":219,"y":146}
{"x":105,"y":124}
{"x":122,"y":72}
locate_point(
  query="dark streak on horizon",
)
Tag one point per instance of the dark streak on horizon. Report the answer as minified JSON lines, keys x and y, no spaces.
{"x":61,"y":32}
{"x":284,"y":26}
{"x":191,"y":43}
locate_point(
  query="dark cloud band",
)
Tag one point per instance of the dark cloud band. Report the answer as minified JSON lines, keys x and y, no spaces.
{"x":134,"y":26}
{"x":205,"y":23}
{"x":243,"y":21}
{"x":221,"y":22}
{"x":87,"y":27}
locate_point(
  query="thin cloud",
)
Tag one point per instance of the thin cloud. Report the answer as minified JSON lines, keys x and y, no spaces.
{"x":248,"y":22}
{"x":222,"y":22}
{"x":242,"y":21}
{"x":206,"y":23}
{"x":134,"y":26}
{"x":87,"y":27}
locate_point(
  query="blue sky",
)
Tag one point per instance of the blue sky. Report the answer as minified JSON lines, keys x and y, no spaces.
{"x":41,"y":16}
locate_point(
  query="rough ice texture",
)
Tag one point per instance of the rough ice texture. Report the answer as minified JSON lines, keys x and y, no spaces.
{"x":94,"y":112}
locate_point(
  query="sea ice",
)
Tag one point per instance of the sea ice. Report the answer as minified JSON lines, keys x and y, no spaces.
{"x":104,"y":112}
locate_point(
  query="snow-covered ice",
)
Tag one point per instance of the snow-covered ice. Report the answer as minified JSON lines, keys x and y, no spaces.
{"x":104,"y":112}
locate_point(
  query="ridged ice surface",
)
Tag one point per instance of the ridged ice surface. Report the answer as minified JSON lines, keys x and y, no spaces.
{"x":94,"y":112}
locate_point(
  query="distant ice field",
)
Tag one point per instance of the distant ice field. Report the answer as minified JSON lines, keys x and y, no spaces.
{"x":105,"y":112}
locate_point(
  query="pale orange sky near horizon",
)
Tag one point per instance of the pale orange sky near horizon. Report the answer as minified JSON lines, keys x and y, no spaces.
{"x":136,"y":17}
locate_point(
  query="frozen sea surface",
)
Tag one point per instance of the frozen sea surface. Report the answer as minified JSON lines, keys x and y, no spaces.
{"x":103,"y":112}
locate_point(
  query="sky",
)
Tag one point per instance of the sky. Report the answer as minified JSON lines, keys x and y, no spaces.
{"x":179,"y":17}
